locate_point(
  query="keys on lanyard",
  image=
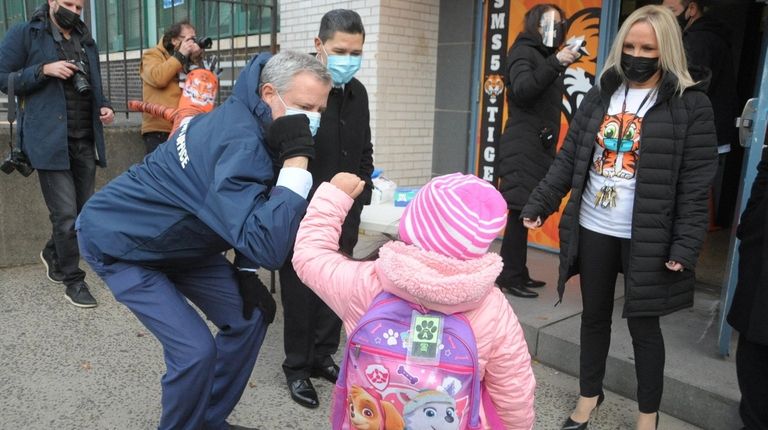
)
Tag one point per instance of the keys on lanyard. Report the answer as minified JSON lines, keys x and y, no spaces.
{"x":606,"y":197}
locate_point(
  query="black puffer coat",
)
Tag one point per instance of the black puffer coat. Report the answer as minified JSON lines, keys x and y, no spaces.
{"x":534,"y":80}
{"x":748,"y":313}
{"x":678,"y":158}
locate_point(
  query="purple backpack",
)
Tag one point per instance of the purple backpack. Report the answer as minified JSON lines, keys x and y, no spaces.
{"x":406,"y":367}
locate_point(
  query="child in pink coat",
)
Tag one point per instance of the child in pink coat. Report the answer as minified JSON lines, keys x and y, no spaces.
{"x":441,"y":263}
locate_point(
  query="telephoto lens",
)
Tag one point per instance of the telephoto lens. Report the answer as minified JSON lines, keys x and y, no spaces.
{"x":204,"y":42}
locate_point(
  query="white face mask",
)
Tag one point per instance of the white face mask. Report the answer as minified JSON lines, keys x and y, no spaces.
{"x":314,"y":117}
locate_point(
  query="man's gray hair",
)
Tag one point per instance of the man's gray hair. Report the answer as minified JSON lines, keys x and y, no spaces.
{"x":281,"y":68}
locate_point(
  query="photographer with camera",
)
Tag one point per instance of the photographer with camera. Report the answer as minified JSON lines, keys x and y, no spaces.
{"x":163,"y":70}
{"x":53,"y":64}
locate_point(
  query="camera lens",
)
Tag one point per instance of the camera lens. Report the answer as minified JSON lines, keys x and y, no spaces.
{"x":82,"y":86}
{"x":204,"y":42}
{"x":80,"y":78}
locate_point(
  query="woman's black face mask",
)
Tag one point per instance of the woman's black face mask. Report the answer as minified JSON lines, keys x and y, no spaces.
{"x":638,"y":69}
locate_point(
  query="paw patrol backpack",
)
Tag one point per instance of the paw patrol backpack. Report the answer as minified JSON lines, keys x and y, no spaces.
{"x":406,"y":367}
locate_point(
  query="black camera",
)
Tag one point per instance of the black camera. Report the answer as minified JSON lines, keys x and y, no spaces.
{"x":80,"y":78}
{"x":204,"y":42}
{"x":17,"y":160}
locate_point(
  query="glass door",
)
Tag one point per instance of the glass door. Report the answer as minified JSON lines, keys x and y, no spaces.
{"x":753,"y":124}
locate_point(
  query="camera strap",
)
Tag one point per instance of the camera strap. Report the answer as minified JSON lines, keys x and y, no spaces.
{"x":11,"y":107}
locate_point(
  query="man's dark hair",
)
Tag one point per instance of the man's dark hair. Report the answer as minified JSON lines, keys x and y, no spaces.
{"x":343,"y":20}
{"x":532,"y":19}
{"x":702,"y":4}
{"x":173,"y":32}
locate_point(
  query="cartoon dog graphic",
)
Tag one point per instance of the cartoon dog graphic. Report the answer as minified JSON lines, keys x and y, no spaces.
{"x":368,"y":411}
{"x":431,"y":409}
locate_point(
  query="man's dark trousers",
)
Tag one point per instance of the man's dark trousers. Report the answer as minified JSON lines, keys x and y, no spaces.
{"x":312,"y":329}
{"x":65,"y":192}
{"x":205,"y":375}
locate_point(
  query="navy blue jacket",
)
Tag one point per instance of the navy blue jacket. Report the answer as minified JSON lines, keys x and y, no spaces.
{"x":42,"y":120}
{"x":204,"y":191}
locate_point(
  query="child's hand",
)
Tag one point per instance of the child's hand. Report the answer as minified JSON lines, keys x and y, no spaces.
{"x":349,"y":183}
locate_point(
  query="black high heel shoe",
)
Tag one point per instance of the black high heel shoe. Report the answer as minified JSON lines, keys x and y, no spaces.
{"x":573,"y":425}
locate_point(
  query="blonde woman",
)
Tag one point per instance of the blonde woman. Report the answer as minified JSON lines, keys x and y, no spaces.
{"x":638,"y":159}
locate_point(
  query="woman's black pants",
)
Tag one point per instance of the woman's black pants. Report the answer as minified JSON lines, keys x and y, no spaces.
{"x":514,"y":251}
{"x":601,"y":258}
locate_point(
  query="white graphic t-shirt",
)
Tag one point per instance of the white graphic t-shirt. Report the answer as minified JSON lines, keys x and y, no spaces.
{"x":609,"y":194}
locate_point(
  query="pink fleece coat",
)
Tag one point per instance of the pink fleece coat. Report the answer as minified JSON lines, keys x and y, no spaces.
{"x":436,"y":282}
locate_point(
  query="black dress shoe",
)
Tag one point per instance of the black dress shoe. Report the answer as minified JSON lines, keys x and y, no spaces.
{"x":532,"y":283}
{"x":521,"y":291}
{"x":303,"y":393}
{"x":329,"y":373}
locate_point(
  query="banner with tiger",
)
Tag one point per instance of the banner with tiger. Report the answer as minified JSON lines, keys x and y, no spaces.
{"x":503,"y":21}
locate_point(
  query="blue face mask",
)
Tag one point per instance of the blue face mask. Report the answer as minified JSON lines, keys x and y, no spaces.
{"x":314,"y":117}
{"x":342,"y":67}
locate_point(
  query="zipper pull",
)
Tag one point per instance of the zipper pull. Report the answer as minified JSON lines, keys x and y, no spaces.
{"x":356,"y":351}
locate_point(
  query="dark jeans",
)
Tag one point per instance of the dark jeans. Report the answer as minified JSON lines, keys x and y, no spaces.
{"x":752,"y":373}
{"x":65,"y":192}
{"x":601,"y":258}
{"x":514,"y":251}
{"x":153,"y":139}
{"x":312,"y":329}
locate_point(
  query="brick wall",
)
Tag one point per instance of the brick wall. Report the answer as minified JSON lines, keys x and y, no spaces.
{"x":399,"y":66}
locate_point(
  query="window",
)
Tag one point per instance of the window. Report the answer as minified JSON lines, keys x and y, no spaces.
{"x":14,"y":12}
{"x":134,"y":24}
{"x":235,"y":18}
{"x":121,"y":24}
{"x":172,"y":11}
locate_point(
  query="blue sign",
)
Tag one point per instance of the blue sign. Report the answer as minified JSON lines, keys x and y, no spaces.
{"x":167,"y":3}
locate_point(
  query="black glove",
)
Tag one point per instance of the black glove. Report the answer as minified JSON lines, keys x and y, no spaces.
{"x":255,"y":294}
{"x":289,"y":137}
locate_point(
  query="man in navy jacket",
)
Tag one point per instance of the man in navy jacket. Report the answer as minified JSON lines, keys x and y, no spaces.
{"x":60,"y":124}
{"x":155,"y":234}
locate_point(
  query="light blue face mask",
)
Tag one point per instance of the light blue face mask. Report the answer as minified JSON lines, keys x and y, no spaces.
{"x":343,"y":67}
{"x":314,"y":117}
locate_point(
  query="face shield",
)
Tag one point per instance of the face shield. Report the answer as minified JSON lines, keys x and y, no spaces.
{"x":553,"y":31}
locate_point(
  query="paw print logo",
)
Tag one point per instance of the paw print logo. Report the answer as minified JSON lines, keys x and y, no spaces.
{"x":391,"y":337}
{"x":426,"y":330}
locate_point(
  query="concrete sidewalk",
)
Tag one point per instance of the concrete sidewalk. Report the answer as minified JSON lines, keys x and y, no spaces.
{"x":70,"y":368}
{"x":700,"y":387}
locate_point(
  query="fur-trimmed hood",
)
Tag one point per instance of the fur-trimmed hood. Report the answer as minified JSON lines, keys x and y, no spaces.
{"x":437,"y":282}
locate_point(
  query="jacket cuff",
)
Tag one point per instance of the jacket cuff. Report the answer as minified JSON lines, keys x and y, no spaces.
{"x":39,"y":75}
{"x":687,"y":263}
{"x":555,"y":63}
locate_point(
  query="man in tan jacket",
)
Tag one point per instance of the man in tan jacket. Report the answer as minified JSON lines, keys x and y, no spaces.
{"x":162,"y":71}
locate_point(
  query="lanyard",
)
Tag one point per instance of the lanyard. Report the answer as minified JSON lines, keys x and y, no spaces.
{"x":624,"y":110}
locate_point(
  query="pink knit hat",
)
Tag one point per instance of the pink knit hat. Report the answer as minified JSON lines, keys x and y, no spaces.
{"x":455,"y":215}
